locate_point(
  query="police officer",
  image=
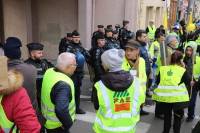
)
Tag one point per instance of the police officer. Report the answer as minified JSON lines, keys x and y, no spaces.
{"x":110,"y":41}
{"x":117,"y":28}
{"x":109,"y":27}
{"x":64,"y":43}
{"x":100,"y":30}
{"x":82,"y":55}
{"x":172,"y":92}
{"x":117,"y":96}
{"x":96,"y":57}
{"x":35,"y":58}
{"x":125,"y":34}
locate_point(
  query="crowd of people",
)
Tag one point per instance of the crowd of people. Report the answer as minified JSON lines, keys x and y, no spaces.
{"x":128,"y":68}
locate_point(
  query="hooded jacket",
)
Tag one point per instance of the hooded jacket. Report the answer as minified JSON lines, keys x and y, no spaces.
{"x":17,"y":105}
{"x":115,"y":81}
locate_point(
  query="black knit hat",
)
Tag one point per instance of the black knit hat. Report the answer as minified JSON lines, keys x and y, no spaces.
{"x":12,"y":48}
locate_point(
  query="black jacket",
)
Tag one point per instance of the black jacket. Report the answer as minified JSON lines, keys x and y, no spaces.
{"x":115,"y":81}
{"x":61,"y":96}
{"x":41,"y":67}
{"x":94,"y":39}
{"x":111,"y":43}
{"x":63,"y":45}
{"x":124,"y":36}
{"x":96,"y":62}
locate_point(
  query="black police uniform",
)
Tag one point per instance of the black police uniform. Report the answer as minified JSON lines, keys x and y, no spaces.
{"x":64,"y":43}
{"x":77,"y":77}
{"x":124,"y":36}
{"x":111,"y":43}
{"x":41,"y":66}
{"x":94,"y":37}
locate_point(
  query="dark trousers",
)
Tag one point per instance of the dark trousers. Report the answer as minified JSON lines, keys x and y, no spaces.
{"x":158,"y":109}
{"x":77,"y":79}
{"x":57,"y":130}
{"x":178,"y":115}
{"x":192,"y":104}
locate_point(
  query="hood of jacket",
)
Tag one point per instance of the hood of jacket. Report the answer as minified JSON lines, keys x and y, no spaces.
{"x":117,"y":81}
{"x":15,"y":81}
{"x":14,"y":62}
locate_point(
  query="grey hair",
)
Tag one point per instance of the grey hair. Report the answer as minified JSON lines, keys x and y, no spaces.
{"x":64,"y":59}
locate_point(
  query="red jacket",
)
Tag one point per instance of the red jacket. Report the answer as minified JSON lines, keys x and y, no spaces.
{"x":18,"y":108}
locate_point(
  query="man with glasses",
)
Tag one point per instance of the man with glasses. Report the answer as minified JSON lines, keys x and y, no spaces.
{"x":57,"y":96}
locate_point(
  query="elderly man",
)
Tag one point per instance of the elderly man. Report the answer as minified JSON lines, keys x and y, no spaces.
{"x":116,"y":96}
{"x":57,"y":95}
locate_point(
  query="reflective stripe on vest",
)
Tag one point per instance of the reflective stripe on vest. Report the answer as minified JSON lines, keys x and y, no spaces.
{"x":169,"y":90}
{"x":114,"y":129}
{"x":51,"y":77}
{"x":103,"y":116}
{"x":172,"y":87}
{"x":107,"y":102}
{"x":151,"y":32}
{"x":5,"y":124}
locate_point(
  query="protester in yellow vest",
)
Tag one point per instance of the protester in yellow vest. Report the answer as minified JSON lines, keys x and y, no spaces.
{"x":155,"y":50}
{"x":193,"y":69}
{"x":16,"y":111}
{"x":136,"y":65}
{"x":116,"y":97}
{"x":172,"y":92}
{"x":150,"y":30}
{"x":57,"y":95}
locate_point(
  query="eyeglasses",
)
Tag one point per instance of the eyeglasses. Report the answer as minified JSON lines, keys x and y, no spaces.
{"x":75,"y":65}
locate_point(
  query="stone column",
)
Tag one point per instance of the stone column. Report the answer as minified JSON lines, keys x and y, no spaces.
{"x":85,"y":21}
{"x":131,"y":13}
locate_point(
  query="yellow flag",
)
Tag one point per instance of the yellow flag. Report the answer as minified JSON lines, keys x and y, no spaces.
{"x":165,"y":20}
{"x":190,"y":26}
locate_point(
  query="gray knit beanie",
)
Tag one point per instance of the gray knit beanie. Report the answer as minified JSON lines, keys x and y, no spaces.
{"x":169,"y":39}
{"x":112,"y":59}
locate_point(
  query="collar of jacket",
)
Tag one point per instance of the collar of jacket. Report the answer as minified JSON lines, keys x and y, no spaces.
{"x":15,"y":81}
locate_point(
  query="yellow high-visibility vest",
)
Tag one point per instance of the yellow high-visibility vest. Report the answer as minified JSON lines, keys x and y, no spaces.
{"x":118,"y":111}
{"x":51,"y":77}
{"x":169,"y":90}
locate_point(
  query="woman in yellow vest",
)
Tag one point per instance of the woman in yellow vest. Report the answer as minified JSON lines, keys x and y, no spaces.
{"x":116,"y":97}
{"x":172,"y":93}
{"x":193,"y":69}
